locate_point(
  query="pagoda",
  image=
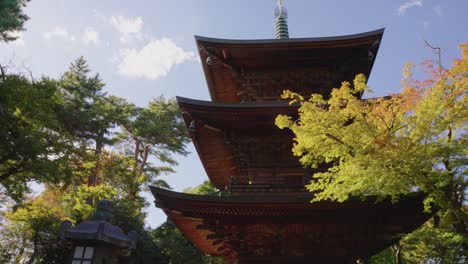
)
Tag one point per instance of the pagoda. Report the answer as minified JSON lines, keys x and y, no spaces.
{"x":268,"y":216}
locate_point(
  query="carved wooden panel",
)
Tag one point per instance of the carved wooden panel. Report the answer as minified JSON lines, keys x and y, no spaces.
{"x":267,"y":86}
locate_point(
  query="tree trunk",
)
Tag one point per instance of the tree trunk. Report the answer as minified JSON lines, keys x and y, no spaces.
{"x":135,"y":154}
{"x":145,"y":159}
{"x":397,"y":252}
{"x":34,"y":253}
{"x":2,"y":71}
{"x":93,"y":179}
{"x":20,"y":254}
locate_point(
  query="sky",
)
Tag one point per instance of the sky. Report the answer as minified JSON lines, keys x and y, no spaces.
{"x":143,"y":49}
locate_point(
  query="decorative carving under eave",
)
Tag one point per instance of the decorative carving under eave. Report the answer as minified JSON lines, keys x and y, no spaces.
{"x":295,"y":240}
{"x":265,"y":161}
{"x":268,"y":86}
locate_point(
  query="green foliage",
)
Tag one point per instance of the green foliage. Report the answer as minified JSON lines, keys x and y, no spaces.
{"x":177,"y":249}
{"x":88,"y":113}
{"x":206,"y":188}
{"x":160,"y":124}
{"x":428,"y":244}
{"x":58,"y":131}
{"x":84,"y":145}
{"x":32,"y":143}
{"x":157,"y":130}
{"x":81,"y":203}
{"x":413,"y":141}
{"x":435,"y":245}
{"x":31,"y":232}
{"x":11,"y":18}
{"x":387,"y":256}
{"x":174,"y":247}
{"x":147,"y":251}
{"x":91,"y":117}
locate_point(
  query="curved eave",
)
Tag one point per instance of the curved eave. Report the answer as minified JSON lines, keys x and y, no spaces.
{"x":235,"y":115}
{"x":168,"y":199}
{"x":378,"y":33}
{"x":221,"y":105}
{"x":387,"y":220}
{"x":186,"y":203}
{"x":214,"y":124}
{"x":233,"y":57}
{"x":214,"y":121}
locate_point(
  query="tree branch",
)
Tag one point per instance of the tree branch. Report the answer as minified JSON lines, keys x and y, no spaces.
{"x":10,"y":172}
{"x":137,"y":149}
{"x":145,"y":158}
{"x":339,"y":141}
{"x":2,"y":71}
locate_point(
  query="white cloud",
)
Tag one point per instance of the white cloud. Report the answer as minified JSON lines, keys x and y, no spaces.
{"x":154,"y":60}
{"x":438,"y":10}
{"x":409,"y":4}
{"x":130,"y":28}
{"x":127,"y":25}
{"x":57,"y":32}
{"x":90,"y":36}
{"x":19,"y":41}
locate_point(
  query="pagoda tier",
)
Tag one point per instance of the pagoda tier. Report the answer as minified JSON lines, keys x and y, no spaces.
{"x":278,"y":229}
{"x":241,"y":148}
{"x":259,"y":70}
{"x":269,"y":218}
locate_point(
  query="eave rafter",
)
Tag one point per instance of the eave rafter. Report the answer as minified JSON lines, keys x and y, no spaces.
{"x":234,"y":141}
{"x":246,"y":70}
{"x":237,"y":227}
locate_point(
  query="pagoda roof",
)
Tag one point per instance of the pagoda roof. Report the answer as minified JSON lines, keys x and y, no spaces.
{"x":245,"y":115}
{"x":218,"y":225}
{"x":219,"y":129}
{"x":237,"y":64}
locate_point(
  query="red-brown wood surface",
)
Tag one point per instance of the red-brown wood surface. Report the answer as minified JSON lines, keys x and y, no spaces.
{"x":291,"y":229}
{"x":258,"y":70}
{"x":268,"y":218}
{"x":239,"y":144}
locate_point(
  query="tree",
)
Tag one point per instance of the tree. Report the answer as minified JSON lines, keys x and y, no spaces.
{"x":157,"y":130}
{"x":94,"y":118}
{"x":390,"y":146}
{"x":31,"y":235}
{"x":84,"y":145}
{"x":11,"y":18}
{"x":33,"y":145}
{"x":427,"y":244}
{"x":432,"y":244}
{"x":90,"y":115}
{"x":177,"y":249}
{"x":206,"y":188}
{"x":118,"y":141}
{"x":80,"y":202}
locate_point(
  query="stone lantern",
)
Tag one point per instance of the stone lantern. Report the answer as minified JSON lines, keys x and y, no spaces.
{"x":96,"y":241}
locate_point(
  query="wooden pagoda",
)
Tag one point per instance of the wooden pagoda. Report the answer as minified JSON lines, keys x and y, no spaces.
{"x":268,"y":218}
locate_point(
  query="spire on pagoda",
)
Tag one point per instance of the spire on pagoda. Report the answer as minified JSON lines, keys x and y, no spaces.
{"x":281,"y":16}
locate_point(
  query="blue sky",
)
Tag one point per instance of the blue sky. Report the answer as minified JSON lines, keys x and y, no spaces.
{"x":143,"y":49}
